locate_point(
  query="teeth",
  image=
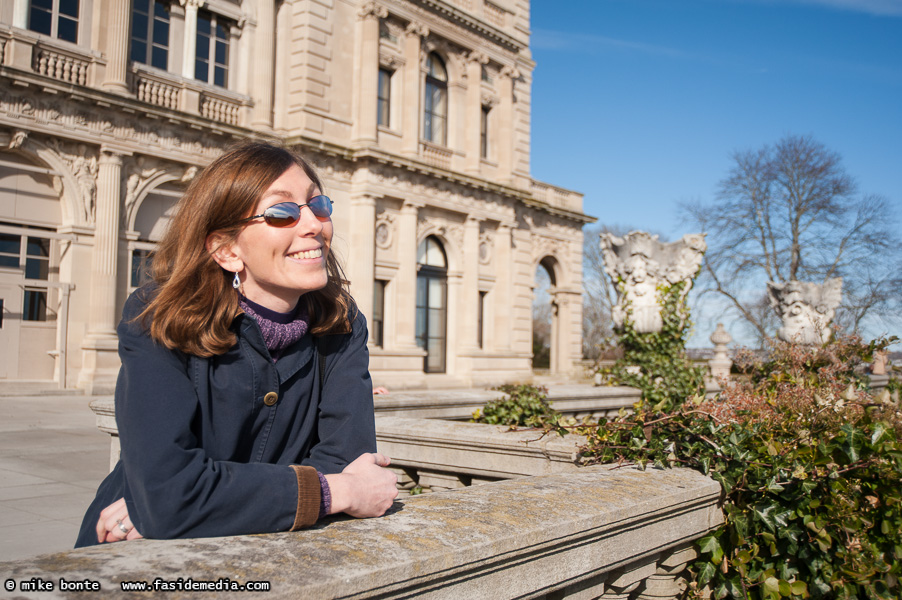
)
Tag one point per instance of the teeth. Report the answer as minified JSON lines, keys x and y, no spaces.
{"x":307,"y":254}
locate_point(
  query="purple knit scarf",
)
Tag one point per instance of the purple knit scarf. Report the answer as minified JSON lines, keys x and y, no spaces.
{"x":280,"y":330}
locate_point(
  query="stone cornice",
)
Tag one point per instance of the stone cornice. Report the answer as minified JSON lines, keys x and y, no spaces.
{"x":463,"y":19}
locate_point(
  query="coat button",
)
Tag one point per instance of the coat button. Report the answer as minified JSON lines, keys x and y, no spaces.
{"x":270,"y":398}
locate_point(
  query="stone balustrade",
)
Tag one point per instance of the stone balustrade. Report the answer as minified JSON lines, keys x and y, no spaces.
{"x":555,"y":196}
{"x":170,"y":91}
{"x":59,"y":60}
{"x":599,"y":532}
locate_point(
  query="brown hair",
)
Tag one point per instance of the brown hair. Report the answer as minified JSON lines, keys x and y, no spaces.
{"x":196,"y":303}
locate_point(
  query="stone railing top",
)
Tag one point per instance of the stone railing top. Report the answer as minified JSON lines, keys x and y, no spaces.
{"x":521,"y":537}
{"x":460,"y":404}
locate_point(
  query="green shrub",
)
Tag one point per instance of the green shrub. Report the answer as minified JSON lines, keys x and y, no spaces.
{"x":811,"y":468}
{"x":524,"y":405}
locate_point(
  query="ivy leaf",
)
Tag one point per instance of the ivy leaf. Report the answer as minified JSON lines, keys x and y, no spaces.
{"x":706,"y":573}
{"x":854,"y":439}
{"x":709,"y":544}
{"x":880,"y":431}
{"x":772,"y":585}
{"x":799,"y":588}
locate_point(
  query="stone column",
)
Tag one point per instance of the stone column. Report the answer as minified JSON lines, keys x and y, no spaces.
{"x":506,"y":122}
{"x":411,"y":105}
{"x":473,"y":118}
{"x":361,"y":266}
{"x":100,"y":361}
{"x":366,"y":65}
{"x":190,"y":50}
{"x":504,"y":295}
{"x":406,"y":281}
{"x":264,"y":64}
{"x":117,"y":17}
{"x":469,"y":298}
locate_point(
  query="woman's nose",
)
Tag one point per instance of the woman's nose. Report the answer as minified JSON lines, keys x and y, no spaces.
{"x":308,"y":223}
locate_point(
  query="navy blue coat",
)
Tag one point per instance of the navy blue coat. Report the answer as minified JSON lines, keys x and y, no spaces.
{"x":203,"y":455}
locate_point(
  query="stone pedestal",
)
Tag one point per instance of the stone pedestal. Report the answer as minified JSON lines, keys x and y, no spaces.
{"x":720,"y":365}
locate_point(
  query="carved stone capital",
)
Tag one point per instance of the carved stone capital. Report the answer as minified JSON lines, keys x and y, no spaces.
{"x":372,"y":10}
{"x":510,"y":72}
{"x":416,"y":29}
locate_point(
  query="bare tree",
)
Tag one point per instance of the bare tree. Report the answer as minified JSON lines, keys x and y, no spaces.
{"x":791,"y":212}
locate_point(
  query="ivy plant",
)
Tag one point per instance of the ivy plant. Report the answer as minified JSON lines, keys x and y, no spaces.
{"x":656,"y":363}
{"x":523,"y":404}
{"x":810,"y":462}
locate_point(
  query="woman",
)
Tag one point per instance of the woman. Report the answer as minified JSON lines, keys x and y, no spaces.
{"x":244,"y":404}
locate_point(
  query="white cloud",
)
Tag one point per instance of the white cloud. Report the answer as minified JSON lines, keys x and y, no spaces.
{"x":883,"y":8}
{"x":547,"y":39}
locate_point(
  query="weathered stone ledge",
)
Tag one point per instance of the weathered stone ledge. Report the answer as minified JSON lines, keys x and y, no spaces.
{"x":596,"y":532}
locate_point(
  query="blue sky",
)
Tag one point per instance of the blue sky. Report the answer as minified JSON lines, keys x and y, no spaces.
{"x":638,"y":104}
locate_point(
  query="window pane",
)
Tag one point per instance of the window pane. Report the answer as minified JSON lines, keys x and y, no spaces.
{"x":37,"y":268}
{"x":38,"y":247}
{"x":67,"y":29}
{"x":35,"y":306}
{"x":69,"y":8}
{"x":219,"y":77}
{"x":200,"y":70}
{"x":204,"y":24}
{"x":139,"y":51}
{"x":43,"y":5}
{"x":159,"y":58}
{"x":140,"y":267}
{"x":40,"y":20}
{"x":139,"y":26}
{"x":161,"y":33}
{"x":140,"y":5}
{"x":9,"y":261}
{"x":10,"y":243}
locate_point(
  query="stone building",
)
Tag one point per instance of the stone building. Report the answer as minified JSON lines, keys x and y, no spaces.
{"x":416,"y":112}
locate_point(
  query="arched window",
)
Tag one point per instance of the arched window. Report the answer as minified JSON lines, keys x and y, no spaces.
{"x":435,"y":116}
{"x":432,"y":303}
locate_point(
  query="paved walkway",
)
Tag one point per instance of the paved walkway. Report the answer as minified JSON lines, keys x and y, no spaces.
{"x":52,"y":457}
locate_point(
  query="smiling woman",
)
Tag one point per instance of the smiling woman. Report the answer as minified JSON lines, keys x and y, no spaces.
{"x":244,"y":368}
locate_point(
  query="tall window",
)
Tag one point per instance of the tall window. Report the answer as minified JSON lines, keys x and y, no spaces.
{"x":57,"y":18}
{"x":377,"y":327}
{"x":484,"y":132}
{"x":150,"y":32}
{"x":432,"y":301}
{"x":435,"y":118}
{"x":36,"y":252}
{"x":211,"y":62}
{"x":384,"y":99}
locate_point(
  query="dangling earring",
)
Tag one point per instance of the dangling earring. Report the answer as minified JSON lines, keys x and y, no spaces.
{"x":236,"y":283}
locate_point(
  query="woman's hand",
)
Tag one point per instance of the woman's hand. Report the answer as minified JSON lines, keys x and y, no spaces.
{"x":365,"y":488}
{"x":114,"y":524}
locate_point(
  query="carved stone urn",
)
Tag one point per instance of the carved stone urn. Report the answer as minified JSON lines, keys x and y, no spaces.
{"x":639,"y":265}
{"x":806,"y":309}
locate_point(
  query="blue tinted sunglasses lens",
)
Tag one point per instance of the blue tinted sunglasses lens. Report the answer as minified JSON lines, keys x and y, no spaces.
{"x":286,"y":214}
{"x":321,"y":206}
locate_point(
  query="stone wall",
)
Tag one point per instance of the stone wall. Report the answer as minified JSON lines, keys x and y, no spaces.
{"x":599,"y":532}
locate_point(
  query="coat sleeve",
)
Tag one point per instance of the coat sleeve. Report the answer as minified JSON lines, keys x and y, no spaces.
{"x":174,"y":490}
{"x":346,"y":426}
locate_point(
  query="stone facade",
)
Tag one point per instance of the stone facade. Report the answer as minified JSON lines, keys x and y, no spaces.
{"x":417,"y":113}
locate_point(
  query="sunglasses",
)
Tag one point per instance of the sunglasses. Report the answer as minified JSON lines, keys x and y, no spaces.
{"x":286,"y":214}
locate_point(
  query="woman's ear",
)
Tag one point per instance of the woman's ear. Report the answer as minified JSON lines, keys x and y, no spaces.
{"x":221,"y":248}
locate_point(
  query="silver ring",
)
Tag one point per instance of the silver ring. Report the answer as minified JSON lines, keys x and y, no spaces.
{"x":122,"y":527}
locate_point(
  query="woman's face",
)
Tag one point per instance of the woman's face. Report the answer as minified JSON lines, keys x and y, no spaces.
{"x":280,"y":264}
